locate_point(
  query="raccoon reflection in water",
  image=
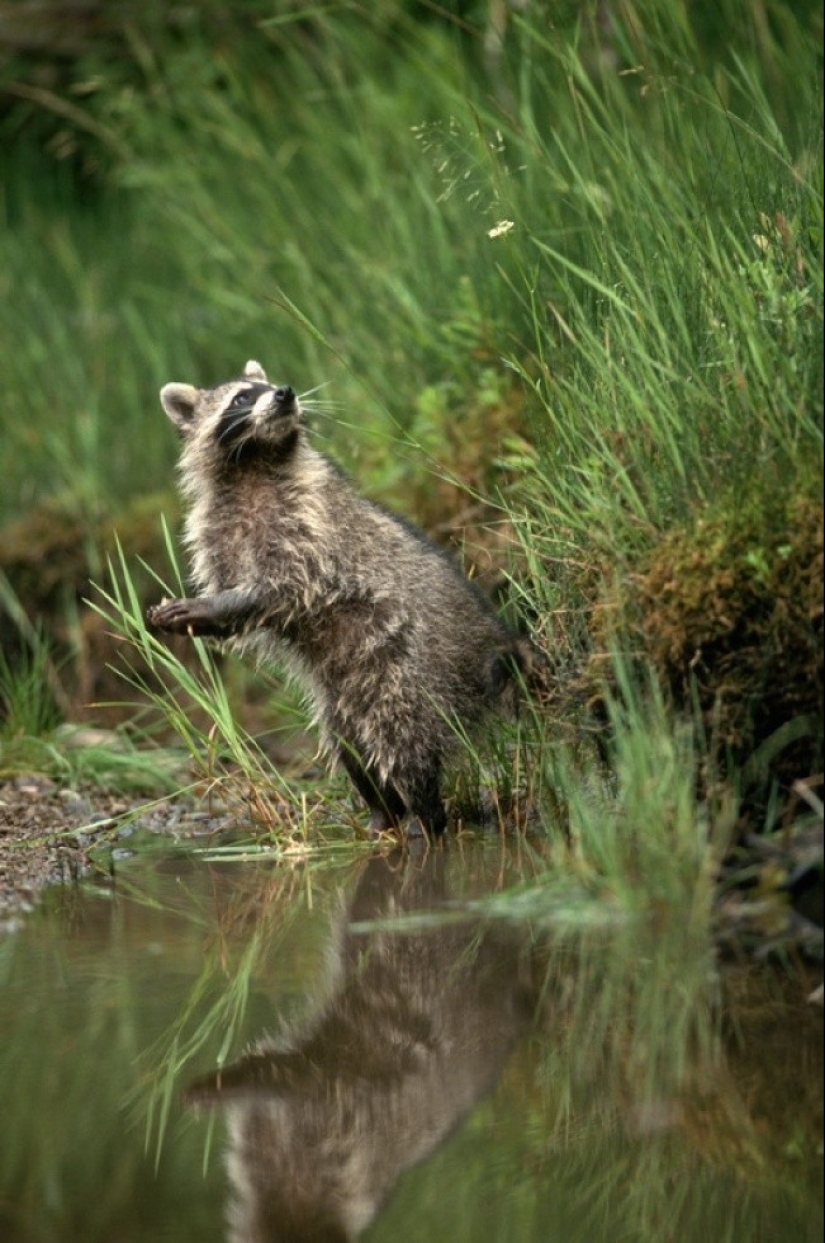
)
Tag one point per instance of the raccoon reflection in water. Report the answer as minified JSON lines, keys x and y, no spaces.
{"x":324,"y":1119}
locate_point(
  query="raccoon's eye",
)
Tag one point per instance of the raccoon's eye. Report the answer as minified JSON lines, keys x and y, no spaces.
{"x":240,"y":399}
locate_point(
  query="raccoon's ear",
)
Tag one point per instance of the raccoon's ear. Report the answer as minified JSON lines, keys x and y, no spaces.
{"x":254,"y":371}
{"x":178,"y":400}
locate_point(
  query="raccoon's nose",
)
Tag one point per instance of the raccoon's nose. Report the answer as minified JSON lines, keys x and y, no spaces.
{"x":284,"y":395}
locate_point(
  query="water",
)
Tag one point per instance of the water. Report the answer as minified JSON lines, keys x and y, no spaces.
{"x":391,"y":1062}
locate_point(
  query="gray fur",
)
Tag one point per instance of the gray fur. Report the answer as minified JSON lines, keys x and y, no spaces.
{"x":394,"y":645}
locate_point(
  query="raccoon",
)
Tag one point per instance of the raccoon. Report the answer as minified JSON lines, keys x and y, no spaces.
{"x":399,"y":652}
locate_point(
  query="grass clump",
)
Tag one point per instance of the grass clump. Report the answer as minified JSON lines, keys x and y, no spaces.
{"x":674,"y":506}
{"x":26,"y":707}
{"x":192,"y":699}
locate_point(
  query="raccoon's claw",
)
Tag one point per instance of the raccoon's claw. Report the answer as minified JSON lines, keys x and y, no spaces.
{"x":171,"y":615}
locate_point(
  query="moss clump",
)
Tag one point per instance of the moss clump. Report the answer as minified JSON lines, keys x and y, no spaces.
{"x":730,"y":611}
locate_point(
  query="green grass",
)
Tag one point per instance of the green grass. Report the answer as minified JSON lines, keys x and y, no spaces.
{"x":585,"y":283}
{"x":192,"y":699}
{"x":323,"y":198}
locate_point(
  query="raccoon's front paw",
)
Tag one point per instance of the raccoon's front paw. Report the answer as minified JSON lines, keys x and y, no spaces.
{"x":174,"y":616}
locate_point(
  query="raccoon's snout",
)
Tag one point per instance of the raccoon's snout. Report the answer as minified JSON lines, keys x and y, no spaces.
{"x":284,"y":397}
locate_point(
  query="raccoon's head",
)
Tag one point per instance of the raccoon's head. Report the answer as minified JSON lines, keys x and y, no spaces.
{"x":238,"y":419}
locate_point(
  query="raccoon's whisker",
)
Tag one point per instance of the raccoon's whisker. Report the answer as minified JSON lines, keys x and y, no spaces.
{"x":232,"y":425}
{"x":316,"y":412}
{"x":317,"y":389}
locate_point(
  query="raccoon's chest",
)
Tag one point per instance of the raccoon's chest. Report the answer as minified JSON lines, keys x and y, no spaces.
{"x":250,"y":535}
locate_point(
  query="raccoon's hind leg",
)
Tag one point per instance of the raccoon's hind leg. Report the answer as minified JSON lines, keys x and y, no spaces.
{"x":424,"y":798}
{"x":386,"y":805}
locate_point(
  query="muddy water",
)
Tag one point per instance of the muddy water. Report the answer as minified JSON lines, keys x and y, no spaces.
{"x":226,"y":1050}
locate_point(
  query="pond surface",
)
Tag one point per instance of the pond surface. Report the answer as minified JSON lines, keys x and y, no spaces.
{"x":211,"y":1050}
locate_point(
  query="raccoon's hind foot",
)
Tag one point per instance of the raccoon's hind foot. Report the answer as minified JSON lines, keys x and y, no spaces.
{"x":384,"y":802}
{"x":381,"y":821}
{"x":388,"y":810}
{"x":427,"y":810}
{"x":406,"y":827}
